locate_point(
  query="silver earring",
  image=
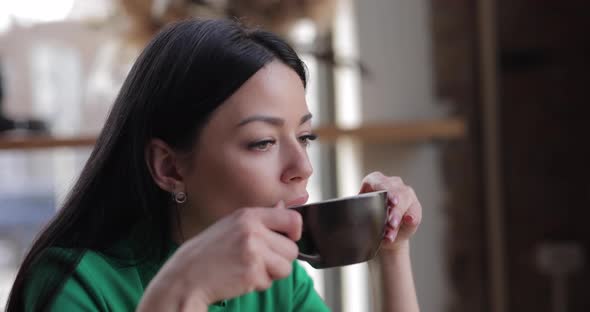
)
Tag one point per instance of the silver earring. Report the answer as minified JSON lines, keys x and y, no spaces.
{"x":180,"y":197}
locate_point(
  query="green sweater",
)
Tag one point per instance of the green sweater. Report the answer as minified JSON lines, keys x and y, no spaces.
{"x":98,"y":283}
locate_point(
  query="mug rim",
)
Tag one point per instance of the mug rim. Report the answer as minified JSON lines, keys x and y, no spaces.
{"x":339,"y":199}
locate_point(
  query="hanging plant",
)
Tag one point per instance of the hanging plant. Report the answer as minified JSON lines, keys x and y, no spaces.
{"x":147,"y":17}
{"x":279,"y":16}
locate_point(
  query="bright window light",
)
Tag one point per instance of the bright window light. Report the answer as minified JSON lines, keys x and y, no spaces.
{"x":35,"y":10}
{"x":355,"y":286}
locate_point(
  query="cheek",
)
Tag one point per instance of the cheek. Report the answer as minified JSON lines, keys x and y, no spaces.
{"x":254,"y":179}
{"x":238,"y":179}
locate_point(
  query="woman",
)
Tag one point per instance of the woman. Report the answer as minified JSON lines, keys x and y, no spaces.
{"x":171,"y":211}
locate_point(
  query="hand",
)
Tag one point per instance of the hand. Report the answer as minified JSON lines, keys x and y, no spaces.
{"x":404,"y":210}
{"x":240,"y":253}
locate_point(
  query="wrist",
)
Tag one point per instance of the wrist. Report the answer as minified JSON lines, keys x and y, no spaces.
{"x":189,"y":294}
{"x":194,"y":302}
{"x":399,"y":251}
{"x":168,"y":289}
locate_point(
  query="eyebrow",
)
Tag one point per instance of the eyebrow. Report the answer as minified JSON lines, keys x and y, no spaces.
{"x":275,"y":121}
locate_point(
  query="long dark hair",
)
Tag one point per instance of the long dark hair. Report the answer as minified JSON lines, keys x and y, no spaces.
{"x":181,"y":77}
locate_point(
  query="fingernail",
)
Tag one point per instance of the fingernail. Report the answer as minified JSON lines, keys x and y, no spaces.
{"x":280,"y":204}
{"x":395,"y":222}
{"x":389,"y":215}
{"x":386,"y":233}
{"x":408,"y":219}
{"x":391,"y":236}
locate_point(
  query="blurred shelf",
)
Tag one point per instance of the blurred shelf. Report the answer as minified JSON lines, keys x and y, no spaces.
{"x":398,"y":132}
{"x":26,"y":142}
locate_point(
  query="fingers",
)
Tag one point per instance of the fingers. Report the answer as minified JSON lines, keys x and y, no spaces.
{"x":281,"y":245}
{"x":272,"y":267}
{"x":377,"y":181}
{"x":266,"y":254}
{"x":277,"y":266}
{"x":391,"y":233}
{"x":400,"y":199}
{"x":264,"y":257}
{"x":284,"y":221}
{"x":273,"y":233}
{"x":404,"y":209}
{"x":413,"y":216}
{"x":255,"y":274}
{"x":414,"y":211}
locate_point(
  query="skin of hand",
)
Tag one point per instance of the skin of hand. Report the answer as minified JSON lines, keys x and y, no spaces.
{"x":398,"y":292}
{"x":243,"y":252}
{"x":404,"y":210}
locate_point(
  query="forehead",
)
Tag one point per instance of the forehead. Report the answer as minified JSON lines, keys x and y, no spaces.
{"x":275,"y":90}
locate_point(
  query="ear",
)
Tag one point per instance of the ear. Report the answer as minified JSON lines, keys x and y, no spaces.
{"x":163,"y":164}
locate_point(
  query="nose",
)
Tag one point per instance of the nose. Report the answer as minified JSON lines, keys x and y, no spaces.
{"x":297,"y":165}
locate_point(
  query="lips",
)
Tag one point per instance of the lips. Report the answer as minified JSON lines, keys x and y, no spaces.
{"x":297,"y":201}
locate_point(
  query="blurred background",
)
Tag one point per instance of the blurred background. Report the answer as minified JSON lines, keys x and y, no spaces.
{"x":480,"y":105}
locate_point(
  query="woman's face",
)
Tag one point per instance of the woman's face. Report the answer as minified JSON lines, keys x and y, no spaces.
{"x":253,"y":150}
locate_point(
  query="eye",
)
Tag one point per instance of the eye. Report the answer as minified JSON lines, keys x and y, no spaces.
{"x":261,"y":145}
{"x":306,"y":139}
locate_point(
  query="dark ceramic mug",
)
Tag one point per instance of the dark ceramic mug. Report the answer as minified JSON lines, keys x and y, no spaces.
{"x":342,"y":231}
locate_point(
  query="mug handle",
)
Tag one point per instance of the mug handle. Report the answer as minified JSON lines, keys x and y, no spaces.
{"x":312,"y":259}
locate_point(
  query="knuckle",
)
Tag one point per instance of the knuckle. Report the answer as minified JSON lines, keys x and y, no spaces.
{"x":284,"y":270}
{"x":244,"y":214}
{"x":412,"y":193}
{"x":245,"y":221}
{"x":248,"y":252}
{"x":419,"y":211}
{"x":379,"y":174}
{"x":245,"y":230}
{"x":396,"y":180}
{"x":249,"y":278}
{"x":382,"y":185}
{"x":375,"y":174}
{"x":296,"y":219}
{"x":372,"y":177}
{"x":263,"y":283}
{"x":292,"y":251}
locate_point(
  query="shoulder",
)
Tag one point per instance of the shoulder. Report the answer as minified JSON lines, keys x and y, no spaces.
{"x":296,"y":283}
{"x":305,"y":296}
{"x":84,"y":280}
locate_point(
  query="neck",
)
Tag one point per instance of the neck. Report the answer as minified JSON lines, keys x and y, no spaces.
{"x":184,"y":224}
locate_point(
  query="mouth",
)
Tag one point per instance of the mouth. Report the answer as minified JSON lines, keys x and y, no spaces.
{"x":297,"y":201}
